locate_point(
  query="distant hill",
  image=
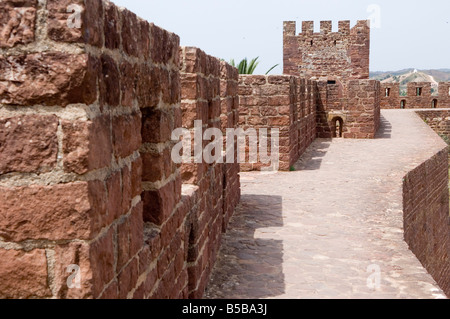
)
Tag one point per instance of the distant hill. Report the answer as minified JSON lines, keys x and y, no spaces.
{"x":412,"y":75}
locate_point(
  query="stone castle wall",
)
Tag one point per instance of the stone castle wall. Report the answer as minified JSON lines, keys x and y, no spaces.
{"x":418,"y":95}
{"x":287,"y":103}
{"x":85,"y":141}
{"x":90,"y":95}
{"x":348,"y":102}
{"x":426,"y":216}
{"x":356,"y":106}
{"x":427,"y":227}
{"x":438,"y":120}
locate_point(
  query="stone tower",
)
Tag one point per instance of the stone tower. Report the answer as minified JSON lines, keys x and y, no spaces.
{"x":327,"y":55}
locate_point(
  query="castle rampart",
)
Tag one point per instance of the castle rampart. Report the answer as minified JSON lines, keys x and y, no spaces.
{"x":88,"y":104}
{"x":417,"y":96}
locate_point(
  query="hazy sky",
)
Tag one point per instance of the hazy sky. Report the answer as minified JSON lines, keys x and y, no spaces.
{"x":407,"y":34}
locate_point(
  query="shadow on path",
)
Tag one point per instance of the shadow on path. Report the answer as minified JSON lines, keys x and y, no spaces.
{"x":385,"y":129}
{"x":250,"y":260}
{"x":312,"y":158}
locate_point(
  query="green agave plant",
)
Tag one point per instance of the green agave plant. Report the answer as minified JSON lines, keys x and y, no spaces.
{"x":245,"y":67}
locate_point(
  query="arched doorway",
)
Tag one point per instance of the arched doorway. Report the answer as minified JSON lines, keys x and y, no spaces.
{"x":403,"y":104}
{"x":434,"y":103}
{"x":337,"y":127}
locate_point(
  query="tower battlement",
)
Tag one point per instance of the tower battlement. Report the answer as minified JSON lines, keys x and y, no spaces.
{"x":326,"y":27}
{"x":326,"y":54}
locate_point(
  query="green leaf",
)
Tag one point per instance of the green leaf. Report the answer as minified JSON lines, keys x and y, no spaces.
{"x":253,"y":64}
{"x":272,"y":68}
{"x":246,"y":67}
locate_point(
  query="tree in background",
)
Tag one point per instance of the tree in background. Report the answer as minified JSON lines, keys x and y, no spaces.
{"x":244,"y":67}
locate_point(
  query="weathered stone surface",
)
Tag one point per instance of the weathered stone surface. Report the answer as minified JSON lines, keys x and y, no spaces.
{"x":136,"y":178}
{"x":128,"y":78}
{"x":76,"y":254}
{"x":46,"y":212}
{"x":87,"y":144}
{"x":93,"y":32}
{"x":48,"y":79}
{"x":111,"y":292}
{"x":111,"y":22}
{"x":99,"y":225}
{"x":343,"y":54}
{"x":148,"y":86}
{"x":426,"y":227}
{"x":101,"y":256}
{"x":96,"y":268}
{"x":126,"y":190}
{"x":128,"y":278}
{"x":65,"y":21}
{"x":114,"y":202}
{"x":75,"y":21}
{"x":159,"y":204}
{"x":153,"y":165}
{"x":23,"y":274}
{"x":165,"y":45}
{"x":28,"y":143}
{"x":17,"y":22}
{"x":126,"y":134}
{"x":109,"y":82}
{"x":157,"y":125}
{"x":275,"y":104}
{"x":130,"y":32}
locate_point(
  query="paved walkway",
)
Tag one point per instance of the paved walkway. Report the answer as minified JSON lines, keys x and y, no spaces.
{"x":333,"y":228}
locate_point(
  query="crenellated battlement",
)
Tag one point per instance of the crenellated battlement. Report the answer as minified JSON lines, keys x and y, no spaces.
{"x":322,"y":55}
{"x":326,"y":27}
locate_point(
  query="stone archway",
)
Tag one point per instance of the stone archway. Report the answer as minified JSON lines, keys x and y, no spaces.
{"x":403,"y":104}
{"x":337,"y":127}
{"x":434,"y":104}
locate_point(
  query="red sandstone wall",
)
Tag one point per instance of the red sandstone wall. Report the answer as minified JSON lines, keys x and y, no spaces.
{"x":444,"y":95}
{"x":86,"y":178}
{"x":356,"y":104}
{"x":271,"y":102}
{"x":412,"y":100}
{"x":390,"y":96}
{"x":339,"y":62}
{"x":307,"y":107}
{"x":429,"y":229}
{"x":343,"y":54}
{"x":426,"y":216}
{"x":438,"y":120}
{"x":229,"y":93}
{"x":209,"y":94}
{"x":364,"y":109}
{"x":86,"y":116}
{"x":70,"y":137}
{"x":302,"y":109}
